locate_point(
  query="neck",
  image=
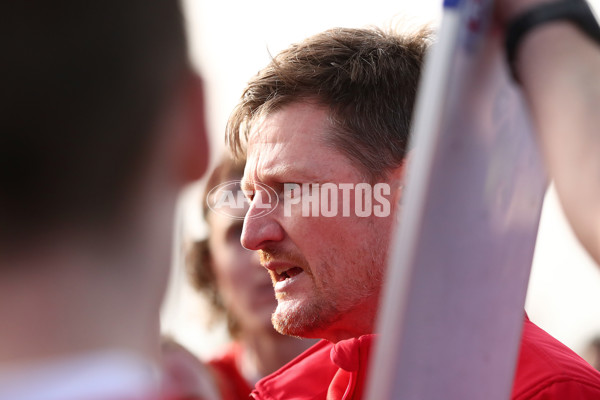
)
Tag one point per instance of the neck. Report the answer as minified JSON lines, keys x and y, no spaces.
{"x":267,"y":351}
{"x":57,"y":303}
{"x":360,"y":320}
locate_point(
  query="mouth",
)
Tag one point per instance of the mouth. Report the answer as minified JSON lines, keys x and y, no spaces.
{"x":290,"y":272}
{"x":282,"y":273}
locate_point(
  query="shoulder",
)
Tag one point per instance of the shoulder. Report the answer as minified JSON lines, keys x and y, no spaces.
{"x":231,"y":383}
{"x":228,"y":359}
{"x":547,"y":369}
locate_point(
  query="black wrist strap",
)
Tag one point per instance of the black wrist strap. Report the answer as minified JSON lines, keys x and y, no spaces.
{"x":576,"y":11}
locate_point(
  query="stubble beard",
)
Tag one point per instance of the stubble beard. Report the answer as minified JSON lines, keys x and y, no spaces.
{"x":311,"y":317}
{"x":295,"y":317}
{"x":331,"y":301}
{"x":302,"y":318}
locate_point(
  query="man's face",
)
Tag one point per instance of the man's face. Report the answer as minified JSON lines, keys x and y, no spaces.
{"x":327,"y":271}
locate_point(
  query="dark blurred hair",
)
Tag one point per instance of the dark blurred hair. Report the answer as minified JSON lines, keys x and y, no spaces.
{"x":366,"y":77}
{"x":198,"y":257}
{"x":83,"y":85}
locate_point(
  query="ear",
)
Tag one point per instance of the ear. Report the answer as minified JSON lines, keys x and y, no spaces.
{"x":398,"y":179}
{"x":193,"y":148}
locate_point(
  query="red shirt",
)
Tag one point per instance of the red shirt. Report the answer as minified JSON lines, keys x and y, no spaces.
{"x":230,"y":381}
{"x":546,"y":370}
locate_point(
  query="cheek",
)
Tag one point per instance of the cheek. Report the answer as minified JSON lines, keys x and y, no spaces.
{"x":225,"y":274}
{"x":235,"y":273}
{"x":339,"y":248}
{"x":315,"y":235}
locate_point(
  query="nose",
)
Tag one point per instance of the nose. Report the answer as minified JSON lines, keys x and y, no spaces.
{"x":260,"y":230}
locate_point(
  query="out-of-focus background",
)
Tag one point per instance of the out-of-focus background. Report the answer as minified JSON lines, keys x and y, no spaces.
{"x":232,"y":40}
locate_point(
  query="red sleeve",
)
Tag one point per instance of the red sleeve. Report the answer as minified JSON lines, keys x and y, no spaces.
{"x":547,"y":369}
{"x":231,"y":383}
{"x":568,"y":389}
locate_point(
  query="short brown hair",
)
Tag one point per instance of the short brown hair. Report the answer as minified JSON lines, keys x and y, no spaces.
{"x":83,"y":87}
{"x":367,"y":77}
{"x":199,"y":257}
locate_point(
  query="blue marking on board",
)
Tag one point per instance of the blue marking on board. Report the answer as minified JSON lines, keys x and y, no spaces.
{"x":451,"y":3}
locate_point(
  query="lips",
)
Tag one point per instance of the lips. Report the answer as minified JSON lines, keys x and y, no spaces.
{"x":288,"y":280}
{"x":290,"y":272}
{"x":287,"y":272}
{"x":282,"y":271}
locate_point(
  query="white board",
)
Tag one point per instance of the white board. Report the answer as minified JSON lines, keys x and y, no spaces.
{"x":452,"y":311}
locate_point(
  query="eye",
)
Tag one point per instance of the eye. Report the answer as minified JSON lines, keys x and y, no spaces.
{"x":234,"y":233}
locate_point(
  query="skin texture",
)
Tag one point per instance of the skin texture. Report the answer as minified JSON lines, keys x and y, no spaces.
{"x":341,"y":259}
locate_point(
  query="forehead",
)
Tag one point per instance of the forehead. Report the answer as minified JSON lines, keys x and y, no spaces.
{"x":292,"y":141}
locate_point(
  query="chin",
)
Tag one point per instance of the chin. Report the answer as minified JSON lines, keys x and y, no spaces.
{"x":304,"y":320}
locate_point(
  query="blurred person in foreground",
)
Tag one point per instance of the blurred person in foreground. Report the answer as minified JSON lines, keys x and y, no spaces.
{"x":101,"y":124}
{"x":592,"y":352}
{"x":327,"y":122}
{"x":238,"y":290}
{"x":557,"y":63}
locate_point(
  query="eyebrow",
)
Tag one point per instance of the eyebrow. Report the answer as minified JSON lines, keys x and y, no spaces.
{"x":280,"y":174}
